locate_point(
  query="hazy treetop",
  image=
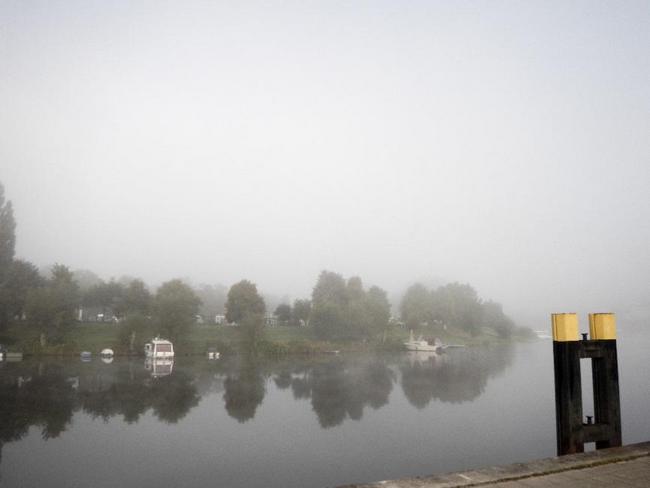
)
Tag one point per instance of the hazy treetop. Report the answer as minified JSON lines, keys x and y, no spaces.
{"x":498,"y":143}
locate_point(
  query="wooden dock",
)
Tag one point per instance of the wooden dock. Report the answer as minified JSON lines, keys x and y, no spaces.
{"x":627,"y":466}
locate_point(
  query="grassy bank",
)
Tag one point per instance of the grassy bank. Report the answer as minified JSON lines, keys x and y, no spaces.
{"x":94,"y":337}
{"x":279,"y":340}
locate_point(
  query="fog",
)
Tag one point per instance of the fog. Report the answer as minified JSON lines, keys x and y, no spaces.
{"x":504,"y":144}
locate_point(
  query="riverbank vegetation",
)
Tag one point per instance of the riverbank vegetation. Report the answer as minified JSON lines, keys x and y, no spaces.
{"x":277,"y":341}
{"x":65,"y":312}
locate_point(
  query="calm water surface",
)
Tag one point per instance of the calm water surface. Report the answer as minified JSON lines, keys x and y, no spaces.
{"x":302,"y":422}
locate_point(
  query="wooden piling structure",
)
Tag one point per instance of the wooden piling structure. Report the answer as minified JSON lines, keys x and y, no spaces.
{"x":571,"y":429}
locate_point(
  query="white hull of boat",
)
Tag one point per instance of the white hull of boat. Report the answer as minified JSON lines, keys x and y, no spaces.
{"x":420,"y":347}
{"x":420,"y":344}
{"x":160,"y":355}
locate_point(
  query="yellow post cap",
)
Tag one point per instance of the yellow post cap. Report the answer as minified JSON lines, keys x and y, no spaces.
{"x":565,"y":327}
{"x":602,"y":326}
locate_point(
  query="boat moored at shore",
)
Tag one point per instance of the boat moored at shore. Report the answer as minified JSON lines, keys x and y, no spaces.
{"x":159,"y":348}
{"x":420,"y":344}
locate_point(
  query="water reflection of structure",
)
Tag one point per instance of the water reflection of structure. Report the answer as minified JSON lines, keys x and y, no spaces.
{"x":159,"y":366}
{"x":415,"y":357}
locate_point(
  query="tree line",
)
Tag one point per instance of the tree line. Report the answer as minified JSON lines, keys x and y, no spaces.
{"x":455,"y":305}
{"x":52,"y":303}
{"x":339,"y":308}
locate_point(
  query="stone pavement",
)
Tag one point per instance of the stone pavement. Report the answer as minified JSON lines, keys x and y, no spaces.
{"x":633,"y":474}
{"x":627,"y":467}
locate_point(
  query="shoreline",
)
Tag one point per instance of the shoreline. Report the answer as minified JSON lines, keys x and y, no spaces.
{"x":278,"y":341}
{"x":567,"y":470}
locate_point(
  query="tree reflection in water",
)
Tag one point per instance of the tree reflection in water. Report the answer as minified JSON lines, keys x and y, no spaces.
{"x":339,"y":388}
{"x":48,"y":394}
{"x":244,"y":390}
{"x":454,"y":377}
{"x":45,"y":399}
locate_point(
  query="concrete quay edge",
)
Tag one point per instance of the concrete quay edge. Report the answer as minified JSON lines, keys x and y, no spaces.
{"x":517,"y":471}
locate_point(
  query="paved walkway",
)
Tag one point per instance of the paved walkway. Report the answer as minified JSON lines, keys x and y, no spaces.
{"x":626,"y":467}
{"x":633,"y":474}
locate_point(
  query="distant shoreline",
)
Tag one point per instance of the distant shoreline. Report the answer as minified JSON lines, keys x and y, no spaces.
{"x":278,"y":341}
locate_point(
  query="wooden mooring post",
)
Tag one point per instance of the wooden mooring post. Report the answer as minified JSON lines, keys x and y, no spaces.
{"x":604,"y":427}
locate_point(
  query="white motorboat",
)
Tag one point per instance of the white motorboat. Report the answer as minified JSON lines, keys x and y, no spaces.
{"x":420,"y":344}
{"x":159,"y":349}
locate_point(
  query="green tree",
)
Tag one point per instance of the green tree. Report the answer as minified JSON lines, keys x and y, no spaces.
{"x":354,"y":289}
{"x":330,"y":288}
{"x":66,"y":294}
{"x":243,"y":299}
{"x":329,"y":306}
{"x":52,"y":307}
{"x":7,"y":249}
{"x":328,"y":320}
{"x":7,"y":235}
{"x":86,"y":279}
{"x":345,"y":310}
{"x":107,"y":296}
{"x":367,"y":313}
{"x":134,"y":331}
{"x":357,"y":319}
{"x":283,"y":313}
{"x":246,"y":307}
{"x":213,"y":300}
{"x":175,"y":308}
{"x":460,"y":307}
{"x":493,"y":317}
{"x":415,"y":308}
{"x":301,"y":311}
{"x":136,"y":299}
{"x":23,"y":276}
{"x":378,"y":310}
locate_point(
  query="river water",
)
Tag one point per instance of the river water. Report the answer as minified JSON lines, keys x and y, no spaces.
{"x":298,"y":422}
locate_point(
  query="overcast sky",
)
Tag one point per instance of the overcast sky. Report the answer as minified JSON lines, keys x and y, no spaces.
{"x":504,"y":144}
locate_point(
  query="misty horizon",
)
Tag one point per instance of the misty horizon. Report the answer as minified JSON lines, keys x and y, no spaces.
{"x":501,"y":145}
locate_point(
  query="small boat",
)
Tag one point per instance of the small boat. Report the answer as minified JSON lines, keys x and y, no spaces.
{"x":543,"y":334}
{"x":106,"y":353}
{"x":213,"y":354}
{"x":86,"y":356}
{"x":420,"y":344}
{"x":159,"y":349}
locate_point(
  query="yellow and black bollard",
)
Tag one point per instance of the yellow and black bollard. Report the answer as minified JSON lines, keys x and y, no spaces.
{"x":568,"y":349}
